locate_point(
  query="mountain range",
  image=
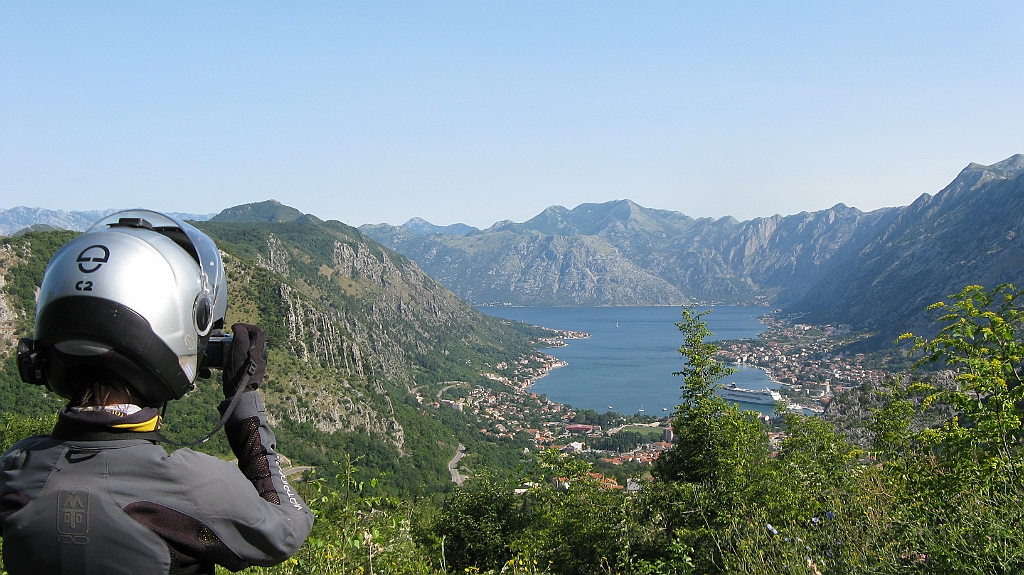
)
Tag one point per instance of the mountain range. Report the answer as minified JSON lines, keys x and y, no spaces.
{"x":621,"y":253}
{"x":874,"y":270}
{"x":970,"y":233}
{"x":16,"y":219}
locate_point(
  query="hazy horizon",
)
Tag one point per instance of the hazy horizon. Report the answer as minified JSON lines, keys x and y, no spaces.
{"x":475,"y":113}
{"x":399,"y":223}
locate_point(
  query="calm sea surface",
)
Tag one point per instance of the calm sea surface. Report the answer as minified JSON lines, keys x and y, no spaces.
{"x":627,"y":362}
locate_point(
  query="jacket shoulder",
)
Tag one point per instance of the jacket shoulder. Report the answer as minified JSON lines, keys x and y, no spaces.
{"x":33,"y":443}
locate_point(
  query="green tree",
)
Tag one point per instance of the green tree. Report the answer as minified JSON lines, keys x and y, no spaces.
{"x":478,"y":524}
{"x":357,"y":531}
{"x":720,"y":461}
{"x":959,"y":482}
{"x":815,"y":470}
{"x":717,"y":444}
{"x":14,"y":428}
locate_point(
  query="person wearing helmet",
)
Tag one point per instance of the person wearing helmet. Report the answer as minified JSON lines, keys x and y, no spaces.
{"x":124,"y":321}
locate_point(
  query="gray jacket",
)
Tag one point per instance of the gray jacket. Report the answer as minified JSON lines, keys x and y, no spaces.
{"x":108,"y":506}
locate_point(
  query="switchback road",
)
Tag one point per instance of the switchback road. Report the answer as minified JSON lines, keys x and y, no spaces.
{"x":457,"y":477}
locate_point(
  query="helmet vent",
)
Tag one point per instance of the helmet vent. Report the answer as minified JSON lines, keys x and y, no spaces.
{"x":132,"y":223}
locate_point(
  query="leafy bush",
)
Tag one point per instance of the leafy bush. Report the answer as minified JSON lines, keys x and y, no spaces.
{"x":478,"y":525}
{"x":356,"y":531}
{"x":14,"y":428}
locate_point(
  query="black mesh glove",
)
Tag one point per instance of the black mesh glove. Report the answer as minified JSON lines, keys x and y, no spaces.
{"x":249,"y":343}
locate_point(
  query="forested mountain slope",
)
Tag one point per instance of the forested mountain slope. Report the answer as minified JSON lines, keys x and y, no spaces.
{"x":353,"y":328}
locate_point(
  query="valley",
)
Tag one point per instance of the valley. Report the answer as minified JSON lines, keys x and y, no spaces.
{"x":368,"y":348}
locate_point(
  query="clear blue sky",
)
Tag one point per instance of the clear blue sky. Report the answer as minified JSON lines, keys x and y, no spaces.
{"x":481,"y":111}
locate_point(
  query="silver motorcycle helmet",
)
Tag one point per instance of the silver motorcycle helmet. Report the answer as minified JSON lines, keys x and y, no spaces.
{"x":137,"y":294}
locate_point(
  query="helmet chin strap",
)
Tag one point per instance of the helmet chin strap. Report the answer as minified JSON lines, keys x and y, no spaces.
{"x":243,"y":381}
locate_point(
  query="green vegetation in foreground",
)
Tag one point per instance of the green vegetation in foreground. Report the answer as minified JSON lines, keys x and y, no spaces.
{"x":946,"y":498}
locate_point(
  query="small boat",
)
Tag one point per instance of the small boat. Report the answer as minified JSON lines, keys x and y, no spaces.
{"x":664,"y":409}
{"x":641,"y":408}
{"x":610,"y":407}
{"x":616,"y":325}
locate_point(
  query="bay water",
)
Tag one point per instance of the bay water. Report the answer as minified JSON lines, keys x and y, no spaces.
{"x":627,"y":362}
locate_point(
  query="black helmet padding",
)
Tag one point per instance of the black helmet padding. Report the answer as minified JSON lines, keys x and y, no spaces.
{"x":141,"y":358}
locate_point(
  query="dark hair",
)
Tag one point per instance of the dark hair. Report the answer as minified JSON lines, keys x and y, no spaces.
{"x":98,"y":386}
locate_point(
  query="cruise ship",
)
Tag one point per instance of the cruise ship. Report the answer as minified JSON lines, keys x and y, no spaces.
{"x":761,"y":396}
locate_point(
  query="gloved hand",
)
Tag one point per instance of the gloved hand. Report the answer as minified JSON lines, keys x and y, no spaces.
{"x":249,"y":342}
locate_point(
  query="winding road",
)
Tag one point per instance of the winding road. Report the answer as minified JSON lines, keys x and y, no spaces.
{"x":457,"y":477}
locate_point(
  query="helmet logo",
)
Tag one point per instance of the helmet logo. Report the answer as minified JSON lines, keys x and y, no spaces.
{"x":93,"y":254}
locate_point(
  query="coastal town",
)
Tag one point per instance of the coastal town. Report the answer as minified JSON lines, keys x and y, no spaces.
{"x":506,"y":410}
{"x":803,"y":359}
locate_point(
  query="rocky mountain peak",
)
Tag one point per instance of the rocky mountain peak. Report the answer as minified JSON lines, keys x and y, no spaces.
{"x":593,"y":219}
{"x":974,"y":175}
{"x":416,"y":224}
{"x":554,"y":220}
{"x":502,"y":225}
{"x":1009,"y":168}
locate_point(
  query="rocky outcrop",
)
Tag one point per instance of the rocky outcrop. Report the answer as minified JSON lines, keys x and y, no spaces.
{"x":276,"y":258}
{"x":10,"y":314}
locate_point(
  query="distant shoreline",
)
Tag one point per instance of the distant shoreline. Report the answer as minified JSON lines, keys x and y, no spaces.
{"x":632,"y":364}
